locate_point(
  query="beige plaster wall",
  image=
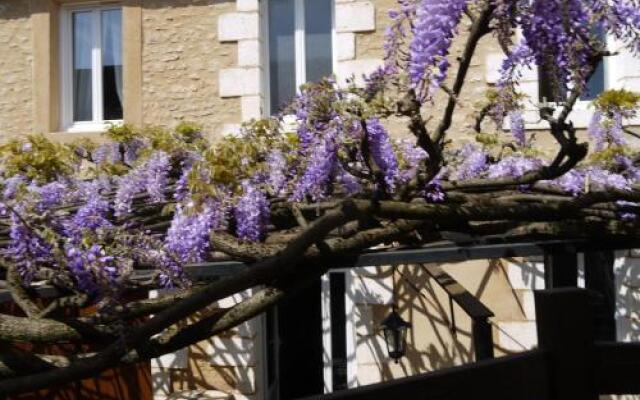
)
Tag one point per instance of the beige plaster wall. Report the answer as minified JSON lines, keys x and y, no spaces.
{"x":181,"y":58}
{"x":16,"y":107}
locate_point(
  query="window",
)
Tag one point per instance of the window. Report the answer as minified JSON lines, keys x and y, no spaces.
{"x":299,"y":46}
{"x":550,"y":91}
{"x":91,"y":67}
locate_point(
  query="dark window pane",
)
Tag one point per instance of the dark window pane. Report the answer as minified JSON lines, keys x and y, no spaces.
{"x":112,"y":64}
{"x":319,"y":59}
{"x":282,"y":68}
{"x":596,"y":83}
{"x":82,"y":77}
{"x":550,"y":90}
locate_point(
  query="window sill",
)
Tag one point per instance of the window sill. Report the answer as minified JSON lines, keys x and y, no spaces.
{"x":580,"y":116}
{"x":92,"y":127}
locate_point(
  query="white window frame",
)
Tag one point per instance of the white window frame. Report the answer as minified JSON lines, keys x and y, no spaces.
{"x":299,"y":46}
{"x":98,"y":124}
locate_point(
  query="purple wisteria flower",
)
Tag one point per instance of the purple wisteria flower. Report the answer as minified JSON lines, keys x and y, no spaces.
{"x":433,"y":192}
{"x":132,"y":150}
{"x":12,"y":185}
{"x":155,"y":175}
{"x":413,"y":157}
{"x":151,"y":176}
{"x":251,"y":213}
{"x":181,"y":191}
{"x":88,"y":189}
{"x":77,"y":265}
{"x":92,"y":215}
{"x":601,"y":177}
{"x":596,"y":131}
{"x":396,"y":32}
{"x":95,"y":271}
{"x":347,"y":181}
{"x":50,"y":195}
{"x":382,"y":152}
{"x":558,"y":32}
{"x":513,"y":166}
{"x":27,"y":249}
{"x":319,"y":168}
{"x":579,"y":181}
{"x":188,"y":236}
{"x":518,"y":128}
{"x":277,"y":178}
{"x":572,"y":182}
{"x":626,"y":165}
{"x":108,"y":153}
{"x":623,"y":21}
{"x":474,"y":162}
{"x":605,"y":130}
{"x":433,"y":30}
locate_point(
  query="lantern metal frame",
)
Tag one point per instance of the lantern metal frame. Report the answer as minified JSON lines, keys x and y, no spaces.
{"x":395,"y":328}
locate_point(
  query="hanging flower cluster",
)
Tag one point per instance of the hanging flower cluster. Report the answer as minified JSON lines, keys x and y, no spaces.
{"x":435,"y":25}
{"x":91,"y":213}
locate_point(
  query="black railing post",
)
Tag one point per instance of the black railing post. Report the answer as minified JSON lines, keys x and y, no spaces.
{"x":560,"y":267}
{"x":565,"y":331}
{"x":482,"y":338}
{"x":599,"y":277}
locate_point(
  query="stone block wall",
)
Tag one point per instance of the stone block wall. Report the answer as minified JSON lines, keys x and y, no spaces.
{"x":16,"y":72}
{"x":181,"y":61}
{"x":355,"y":22}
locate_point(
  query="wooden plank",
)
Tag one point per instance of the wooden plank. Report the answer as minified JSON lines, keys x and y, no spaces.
{"x":561,"y":267}
{"x":599,"y":277}
{"x":482,"y":339}
{"x":467,"y":301}
{"x":564,"y":321}
{"x":616,"y":366}
{"x":521,"y":377}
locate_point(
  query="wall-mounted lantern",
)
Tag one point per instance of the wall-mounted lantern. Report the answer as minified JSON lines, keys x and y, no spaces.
{"x":395,"y":328}
{"x":395,"y":335}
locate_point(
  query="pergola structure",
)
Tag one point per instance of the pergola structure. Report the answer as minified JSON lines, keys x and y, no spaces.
{"x":560,"y":260}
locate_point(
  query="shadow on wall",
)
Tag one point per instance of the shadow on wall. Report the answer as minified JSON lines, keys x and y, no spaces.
{"x":627,"y":275}
{"x":437,"y":339}
{"x":222,"y":364}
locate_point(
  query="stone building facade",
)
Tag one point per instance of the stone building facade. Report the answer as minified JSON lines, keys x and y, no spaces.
{"x":205,"y":61}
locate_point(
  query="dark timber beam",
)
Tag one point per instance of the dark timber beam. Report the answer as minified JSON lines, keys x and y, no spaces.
{"x":560,"y":266}
{"x":565,"y":332}
{"x":599,"y":277}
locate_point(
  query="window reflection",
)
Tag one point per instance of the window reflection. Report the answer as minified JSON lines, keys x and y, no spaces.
{"x":319,"y":59}
{"x":82,"y":75}
{"x":282,"y":68}
{"x":112,"y":64}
